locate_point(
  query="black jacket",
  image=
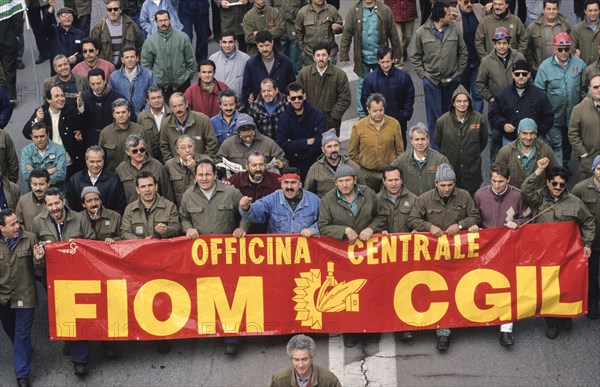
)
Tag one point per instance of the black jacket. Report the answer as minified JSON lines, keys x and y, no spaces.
{"x":509,"y":108}
{"x":62,"y":41}
{"x":109,"y":185}
{"x":98,"y":113}
{"x":69,"y":122}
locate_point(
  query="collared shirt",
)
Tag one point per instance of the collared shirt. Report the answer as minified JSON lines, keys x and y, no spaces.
{"x":370,"y":35}
{"x":352,"y":206}
{"x":158,"y":117}
{"x":303,"y":382}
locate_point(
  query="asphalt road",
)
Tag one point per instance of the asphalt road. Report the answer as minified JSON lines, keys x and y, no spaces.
{"x":475,"y":357}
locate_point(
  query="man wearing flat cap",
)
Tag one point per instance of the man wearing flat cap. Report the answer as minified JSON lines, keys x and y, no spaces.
{"x":106,"y":222}
{"x":63,"y":37}
{"x":521,"y":99}
{"x":321,"y":175}
{"x":445,"y":209}
{"x":521,"y":156}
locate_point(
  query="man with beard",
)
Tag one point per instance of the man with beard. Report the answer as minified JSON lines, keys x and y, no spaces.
{"x":266,"y":109}
{"x":299,"y":130}
{"x":290,"y":210}
{"x":96,"y":106}
{"x":138,"y":160}
{"x":237,"y":149}
{"x":224,"y":122}
{"x":519,"y":100}
{"x":113,"y":136}
{"x":461,"y":134}
{"x":72,"y":84}
{"x":229,"y":60}
{"x":444,"y":210}
{"x":59,"y":223}
{"x":104,"y":179}
{"x":418,"y":167}
{"x":64,"y":127}
{"x":32,"y":203}
{"x":320,"y":178}
{"x":151,"y":216}
{"x":500,"y":17}
{"x":255,"y":183}
{"x":185,"y":121}
{"x":106,"y":223}
{"x":521,"y":156}
{"x":554,"y":203}
{"x":203,"y":96}
{"x":326,"y":86}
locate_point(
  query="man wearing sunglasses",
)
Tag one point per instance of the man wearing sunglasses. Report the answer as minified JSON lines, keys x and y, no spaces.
{"x":116,"y":31}
{"x":519,"y":100}
{"x":560,"y":77}
{"x":554,"y":203}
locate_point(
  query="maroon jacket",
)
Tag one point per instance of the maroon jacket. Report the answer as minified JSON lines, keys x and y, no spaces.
{"x":403,"y":10}
{"x":205,"y":102}
{"x":269,"y":185}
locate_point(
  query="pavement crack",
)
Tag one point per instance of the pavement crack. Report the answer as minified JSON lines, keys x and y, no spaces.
{"x":363,"y":363}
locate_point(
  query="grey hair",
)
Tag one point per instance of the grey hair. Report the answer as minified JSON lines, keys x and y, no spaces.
{"x":58,"y":57}
{"x":375,"y":97}
{"x":94,"y":148}
{"x":120,"y":102}
{"x":256,"y":153}
{"x":183,"y":137}
{"x":419,"y":128}
{"x":133,"y":140}
{"x":302,"y":342}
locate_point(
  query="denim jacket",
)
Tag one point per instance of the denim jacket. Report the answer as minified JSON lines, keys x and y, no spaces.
{"x":275,"y":209}
{"x":134,"y":91}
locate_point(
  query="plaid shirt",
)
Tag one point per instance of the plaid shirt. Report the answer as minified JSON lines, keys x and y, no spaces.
{"x":265,"y":123}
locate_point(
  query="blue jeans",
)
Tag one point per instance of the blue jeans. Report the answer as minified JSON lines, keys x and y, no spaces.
{"x":468,"y":79}
{"x":194,"y":17}
{"x":80,"y":351}
{"x":290,"y":48}
{"x":554,"y":138}
{"x":17,"y":324}
{"x":367,"y":68}
{"x":437,"y":100}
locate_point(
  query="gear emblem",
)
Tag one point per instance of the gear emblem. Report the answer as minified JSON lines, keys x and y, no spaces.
{"x":313,"y":297}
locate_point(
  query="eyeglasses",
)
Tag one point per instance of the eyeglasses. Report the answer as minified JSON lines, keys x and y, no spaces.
{"x":558,"y":184}
{"x":115,"y":9}
{"x":563,"y":49}
{"x":521,"y":73}
{"x":135,"y":151}
{"x":297,"y":98}
{"x":85,"y":50}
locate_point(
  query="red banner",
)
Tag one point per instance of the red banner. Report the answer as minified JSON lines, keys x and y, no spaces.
{"x":282,"y":284}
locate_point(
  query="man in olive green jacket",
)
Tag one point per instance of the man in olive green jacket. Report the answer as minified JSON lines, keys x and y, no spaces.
{"x":546,"y":26}
{"x":500,"y":17}
{"x":151,"y":216}
{"x":18,"y":296}
{"x":397,"y":201}
{"x":444,"y":210}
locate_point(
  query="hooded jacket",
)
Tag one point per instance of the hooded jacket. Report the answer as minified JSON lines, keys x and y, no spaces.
{"x":463,"y":142}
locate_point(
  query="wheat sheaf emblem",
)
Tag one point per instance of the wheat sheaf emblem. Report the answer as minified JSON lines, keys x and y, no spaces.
{"x":314,"y":298}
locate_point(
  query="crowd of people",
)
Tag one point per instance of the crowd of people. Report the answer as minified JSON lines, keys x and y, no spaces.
{"x":126,"y":147}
